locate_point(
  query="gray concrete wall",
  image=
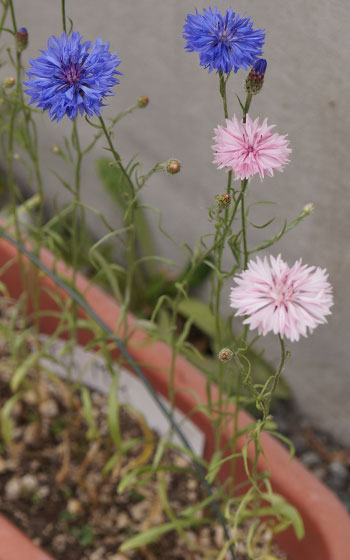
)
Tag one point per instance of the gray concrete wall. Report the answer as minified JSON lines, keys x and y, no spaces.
{"x":306,"y":94}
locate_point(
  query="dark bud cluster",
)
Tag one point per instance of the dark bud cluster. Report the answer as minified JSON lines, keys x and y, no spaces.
{"x":222,"y":201}
{"x":142,"y":101}
{"x":172,"y":166}
{"x":255,"y":78}
{"x":21,"y":39}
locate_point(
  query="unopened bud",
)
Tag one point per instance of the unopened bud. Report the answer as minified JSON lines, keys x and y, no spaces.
{"x":9,"y":82}
{"x":255,"y":78}
{"x":55,"y":149}
{"x":172,"y":166}
{"x":142,"y":101}
{"x":22,"y":39}
{"x":225,"y":355}
{"x":222,"y":201}
{"x":309,"y":208}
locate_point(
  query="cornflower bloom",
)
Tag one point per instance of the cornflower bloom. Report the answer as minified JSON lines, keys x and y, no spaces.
{"x":72,"y":76}
{"x":287,"y":301}
{"x":250,"y":148}
{"x":223,"y":42}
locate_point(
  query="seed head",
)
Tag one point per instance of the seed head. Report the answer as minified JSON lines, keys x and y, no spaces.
{"x":225,"y":355}
{"x":172,"y":166}
{"x":22,"y":39}
{"x":9,"y":82}
{"x":142,"y":101}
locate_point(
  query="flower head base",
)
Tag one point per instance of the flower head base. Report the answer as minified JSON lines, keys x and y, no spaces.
{"x":142,"y":101}
{"x":287,"y":301}
{"x":21,"y":39}
{"x":309,"y":208}
{"x":255,"y":78}
{"x":250,"y":148}
{"x":172,"y":166}
{"x":222,"y":201}
{"x":72,"y":76}
{"x":223,"y":42}
{"x":225,"y":355}
{"x":9,"y":82}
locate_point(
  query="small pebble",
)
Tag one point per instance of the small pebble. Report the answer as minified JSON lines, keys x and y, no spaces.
{"x":138,"y":511}
{"x":98,"y":553}
{"x":122,"y":520}
{"x":29,"y":483}
{"x":43,"y":491}
{"x":219,"y":535}
{"x":13,"y":489}
{"x":192,"y":484}
{"x":49,"y":408}
{"x":338,"y":475}
{"x":338,"y":469}
{"x":74,"y":507}
{"x":59,"y":543}
{"x":310,"y":459}
{"x":31,"y":434}
{"x":30,"y":398}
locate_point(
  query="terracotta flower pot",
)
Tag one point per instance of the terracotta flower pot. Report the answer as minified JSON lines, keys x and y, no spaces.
{"x":326,"y":521}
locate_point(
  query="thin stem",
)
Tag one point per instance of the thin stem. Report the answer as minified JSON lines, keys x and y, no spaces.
{"x":113,"y":123}
{"x":244,"y":184}
{"x":115,"y":153}
{"x":3,"y":17}
{"x":63,"y":10}
{"x":247,"y":106}
{"x":13,"y":17}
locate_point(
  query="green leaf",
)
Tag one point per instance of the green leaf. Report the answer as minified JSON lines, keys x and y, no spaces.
{"x":23,"y":370}
{"x":154,"y":533}
{"x":200,"y":314}
{"x":93,"y":432}
{"x":6,"y":420}
{"x":280,"y":507}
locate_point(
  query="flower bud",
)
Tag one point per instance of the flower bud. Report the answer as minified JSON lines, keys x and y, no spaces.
{"x":172,"y":166}
{"x":142,"y":101}
{"x":225,"y":355}
{"x":222,"y":201}
{"x":309,"y":208}
{"x":255,"y":78}
{"x":9,"y":82}
{"x":22,"y":39}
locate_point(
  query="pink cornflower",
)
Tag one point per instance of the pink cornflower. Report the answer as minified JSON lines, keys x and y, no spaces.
{"x":287,"y":301}
{"x":250,"y":148}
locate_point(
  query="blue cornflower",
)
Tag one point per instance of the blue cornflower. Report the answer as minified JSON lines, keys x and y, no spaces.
{"x":260,"y":66}
{"x":72,"y":76}
{"x":223,"y":42}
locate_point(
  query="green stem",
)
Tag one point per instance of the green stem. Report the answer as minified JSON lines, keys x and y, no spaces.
{"x":13,"y":17}
{"x":247,"y":106}
{"x":113,"y":123}
{"x":63,"y":10}
{"x":115,"y":153}
{"x":129,"y":219}
{"x":3,"y":17}
{"x":244,"y":184}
